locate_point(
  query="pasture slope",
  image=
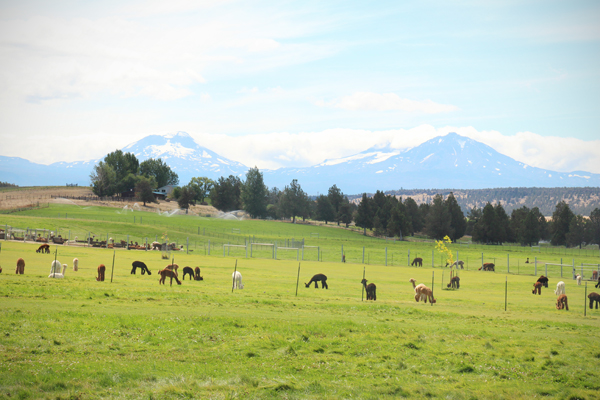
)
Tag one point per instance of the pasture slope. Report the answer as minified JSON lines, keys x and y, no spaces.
{"x":77,"y":338}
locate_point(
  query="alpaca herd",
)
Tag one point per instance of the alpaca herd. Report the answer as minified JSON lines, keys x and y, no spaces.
{"x":421,"y":291}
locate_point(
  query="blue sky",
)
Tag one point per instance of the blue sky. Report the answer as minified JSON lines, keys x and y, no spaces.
{"x":291,"y":83}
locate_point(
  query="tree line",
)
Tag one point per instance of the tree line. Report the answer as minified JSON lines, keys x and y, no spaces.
{"x":382,"y":214}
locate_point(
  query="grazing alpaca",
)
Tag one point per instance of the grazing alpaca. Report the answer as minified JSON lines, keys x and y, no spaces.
{"x":418,"y":290}
{"x":578,"y":278}
{"x":425,"y":293}
{"x":487,"y":267}
{"x":594,"y":297}
{"x":594,"y":275}
{"x":197,"y":274}
{"x":188,"y":271}
{"x":318,"y":278}
{"x":371,"y":290}
{"x":543,"y":280}
{"x":537,"y":288}
{"x":418,"y":261}
{"x":167,"y":273}
{"x":138,"y":264}
{"x":598,"y":284}
{"x":560,"y":288}
{"x":20,"y":267}
{"x":561,"y":302}
{"x":156,"y":246}
{"x":45,"y":248}
{"x":454,"y":282}
{"x":527,"y":261}
{"x":75,"y":264}
{"x":173,"y":267}
{"x":0,"y":270}
{"x":237,"y":280}
{"x":101,"y":270}
{"x":457,"y":264}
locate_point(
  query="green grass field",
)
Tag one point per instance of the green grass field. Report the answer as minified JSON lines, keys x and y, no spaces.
{"x":133,"y":338}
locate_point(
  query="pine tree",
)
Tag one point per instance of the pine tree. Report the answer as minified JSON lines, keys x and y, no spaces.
{"x":364,"y":214}
{"x":458,"y":224}
{"x":437,"y":225}
{"x":325,"y":211}
{"x":561,"y":220}
{"x":254,"y":194}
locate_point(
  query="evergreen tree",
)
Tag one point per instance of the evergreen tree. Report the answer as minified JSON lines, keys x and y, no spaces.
{"x":473,"y":216}
{"x":576,"y":234}
{"x":293,"y":201}
{"x":345,"y":213}
{"x":502,"y":231}
{"x":413,"y":215}
{"x":561,"y":220}
{"x":458,"y":223}
{"x":336,"y":198}
{"x":483,"y":231}
{"x":594,"y":226}
{"x":399,"y":224}
{"x":254,"y":194}
{"x":125,"y":166}
{"x":364,"y":214}
{"x":438,"y":220}
{"x":226,"y":194}
{"x":325,"y":211}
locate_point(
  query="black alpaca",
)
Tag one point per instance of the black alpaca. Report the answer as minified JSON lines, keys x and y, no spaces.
{"x":454,"y":282}
{"x":318,"y":278}
{"x":188,"y":271}
{"x":138,"y":264}
{"x":594,"y":297}
{"x":197,"y":274}
{"x":598,"y":284}
{"x":418,"y":262}
{"x":371,"y":290}
{"x":543,"y":280}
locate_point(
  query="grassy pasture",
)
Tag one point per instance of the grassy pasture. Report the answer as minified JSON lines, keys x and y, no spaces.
{"x":78,"y":338}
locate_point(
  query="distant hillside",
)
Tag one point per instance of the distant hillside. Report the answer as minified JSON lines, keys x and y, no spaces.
{"x":582,"y":200}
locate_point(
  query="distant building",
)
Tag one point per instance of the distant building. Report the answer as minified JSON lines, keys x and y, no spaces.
{"x":128,"y":193}
{"x":162,"y":192}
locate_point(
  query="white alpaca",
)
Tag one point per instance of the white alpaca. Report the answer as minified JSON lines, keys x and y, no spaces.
{"x":55,"y":271}
{"x":75,"y":264}
{"x":578,"y":277}
{"x":560,"y":288}
{"x":237,"y":280}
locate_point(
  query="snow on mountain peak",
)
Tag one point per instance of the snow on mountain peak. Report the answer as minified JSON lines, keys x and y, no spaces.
{"x":173,"y":149}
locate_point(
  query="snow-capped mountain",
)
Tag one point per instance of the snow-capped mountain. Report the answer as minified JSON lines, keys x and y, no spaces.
{"x":186,"y":157}
{"x":445,"y":162}
{"x":450,"y":161}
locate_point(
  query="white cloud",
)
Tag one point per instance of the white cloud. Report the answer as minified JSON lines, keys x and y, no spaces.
{"x":386,"y":102}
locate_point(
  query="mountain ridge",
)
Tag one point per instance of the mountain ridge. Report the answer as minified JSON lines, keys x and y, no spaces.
{"x":450,"y":161}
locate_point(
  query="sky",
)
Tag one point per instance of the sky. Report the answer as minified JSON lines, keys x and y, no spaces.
{"x":292,"y":83}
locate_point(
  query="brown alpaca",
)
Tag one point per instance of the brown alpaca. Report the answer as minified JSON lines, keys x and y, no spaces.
{"x":45,"y":248}
{"x":101,"y":270}
{"x":594,"y":297}
{"x":167,"y":273}
{"x":454,"y":282}
{"x":537,"y":288}
{"x":487,"y":267}
{"x":173,"y":267}
{"x":197,"y":274}
{"x":543,"y":280}
{"x":418,"y":261}
{"x":20,"y":267}
{"x":318,"y":278}
{"x":561,"y":302}
{"x":371,"y":290}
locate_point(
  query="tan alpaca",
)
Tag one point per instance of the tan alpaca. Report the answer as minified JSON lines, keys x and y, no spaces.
{"x":419,"y":294}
